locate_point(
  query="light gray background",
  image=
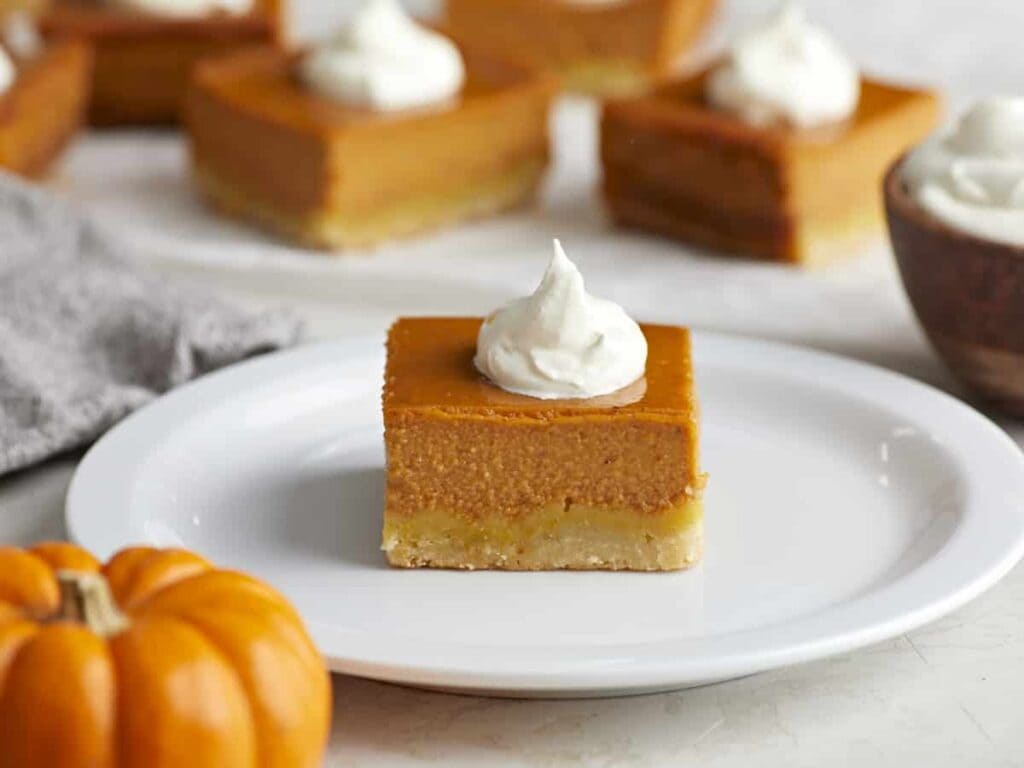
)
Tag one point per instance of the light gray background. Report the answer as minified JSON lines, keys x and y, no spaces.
{"x":948,"y":695}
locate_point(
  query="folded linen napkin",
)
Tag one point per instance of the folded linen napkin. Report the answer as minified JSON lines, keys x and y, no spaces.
{"x":85,"y":338}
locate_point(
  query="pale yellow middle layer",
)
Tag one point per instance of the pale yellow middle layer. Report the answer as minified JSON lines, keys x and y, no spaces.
{"x":336,"y":229}
{"x":579,"y":537}
{"x":822,"y":240}
{"x":606,"y":77}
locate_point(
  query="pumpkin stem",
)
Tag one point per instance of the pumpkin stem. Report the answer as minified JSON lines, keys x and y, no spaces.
{"x":86,"y":598}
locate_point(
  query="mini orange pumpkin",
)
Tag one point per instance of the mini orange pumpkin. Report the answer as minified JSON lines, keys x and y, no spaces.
{"x":155,"y":659}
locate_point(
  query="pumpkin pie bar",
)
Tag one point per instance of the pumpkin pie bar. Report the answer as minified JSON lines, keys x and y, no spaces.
{"x":677,"y":166}
{"x":479,"y":477}
{"x":143,"y":60}
{"x":608,"y":47}
{"x":332,"y":175}
{"x":44,"y":106}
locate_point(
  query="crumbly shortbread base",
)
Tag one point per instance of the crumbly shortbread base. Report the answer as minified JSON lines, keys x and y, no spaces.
{"x":338,"y":230}
{"x":555,"y":537}
{"x":606,"y":77}
{"x":822,"y":241}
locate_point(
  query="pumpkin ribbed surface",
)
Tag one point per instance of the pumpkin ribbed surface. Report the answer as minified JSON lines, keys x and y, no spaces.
{"x":154,"y":659}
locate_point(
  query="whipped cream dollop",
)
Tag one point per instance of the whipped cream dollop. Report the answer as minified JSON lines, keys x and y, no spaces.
{"x":561,"y":342}
{"x":21,"y":36}
{"x":786,"y":71}
{"x":8,"y":72}
{"x":186,"y":9}
{"x":973,"y":178}
{"x":385,"y":61}
{"x":21,"y":41}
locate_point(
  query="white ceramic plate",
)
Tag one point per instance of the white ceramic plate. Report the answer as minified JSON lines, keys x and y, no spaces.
{"x":847,"y":504}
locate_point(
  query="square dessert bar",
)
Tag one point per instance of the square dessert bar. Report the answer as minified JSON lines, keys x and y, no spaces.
{"x":478,"y":477}
{"x":676,"y":166}
{"x":44,"y":107}
{"x":266,"y":148}
{"x":594,"y":47}
{"x":144,"y":61}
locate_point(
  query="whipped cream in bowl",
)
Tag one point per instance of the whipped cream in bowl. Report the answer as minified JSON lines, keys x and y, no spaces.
{"x":973,"y":178}
{"x":955,"y":208}
{"x":560,"y":342}
{"x":786,"y":71}
{"x":383,"y":60}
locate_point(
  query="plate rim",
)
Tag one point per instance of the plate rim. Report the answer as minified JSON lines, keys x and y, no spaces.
{"x":805,"y":638}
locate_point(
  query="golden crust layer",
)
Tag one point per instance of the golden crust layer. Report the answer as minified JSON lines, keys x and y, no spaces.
{"x":338,"y":230}
{"x":575,"y":537}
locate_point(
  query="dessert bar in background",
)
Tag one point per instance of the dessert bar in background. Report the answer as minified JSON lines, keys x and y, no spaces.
{"x":595,"y":47}
{"x":777,"y":152}
{"x":333,"y":148}
{"x":44,"y":90}
{"x":145,"y":49}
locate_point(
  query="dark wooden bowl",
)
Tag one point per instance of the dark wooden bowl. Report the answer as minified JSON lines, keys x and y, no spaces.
{"x":968,"y":294}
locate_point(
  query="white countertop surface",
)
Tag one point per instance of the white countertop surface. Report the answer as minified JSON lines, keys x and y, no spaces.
{"x":949,"y":694}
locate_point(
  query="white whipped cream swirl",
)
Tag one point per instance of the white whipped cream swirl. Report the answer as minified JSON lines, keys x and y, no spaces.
{"x":561,"y":342}
{"x":786,"y":71}
{"x":21,"y":36}
{"x":186,"y":9}
{"x":385,"y":61}
{"x":8,"y":72}
{"x":973,"y":179}
{"x":21,"y":41}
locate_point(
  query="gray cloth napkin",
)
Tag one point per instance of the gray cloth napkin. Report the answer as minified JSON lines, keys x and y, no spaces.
{"x":85,"y":338}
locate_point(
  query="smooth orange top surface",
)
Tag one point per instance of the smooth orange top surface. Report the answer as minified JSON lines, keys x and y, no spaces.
{"x":430,"y":367}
